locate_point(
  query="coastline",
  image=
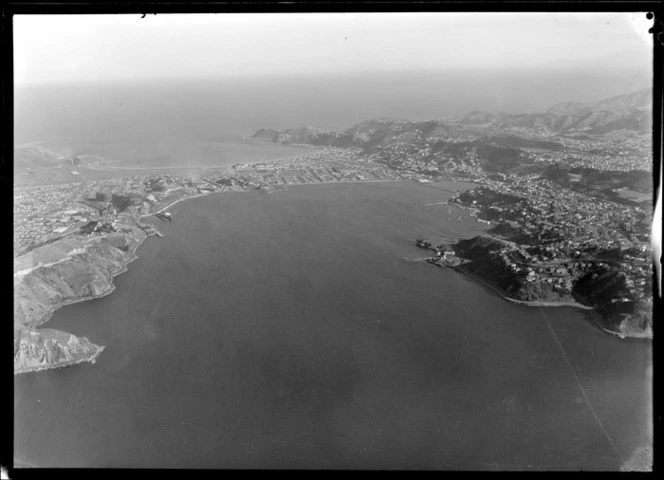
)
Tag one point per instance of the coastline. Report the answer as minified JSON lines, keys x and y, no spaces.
{"x":621,"y":335}
{"x":176,"y":201}
{"x":88,"y":359}
{"x":520,"y":302}
{"x":121,"y":270}
{"x":284,"y":187}
{"x":139,"y":241}
{"x":346,"y":181}
{"x":124,"y":268}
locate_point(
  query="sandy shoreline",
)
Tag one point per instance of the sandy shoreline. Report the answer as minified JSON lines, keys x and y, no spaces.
{"x":280,"y":188}
{"x":176,"y":201}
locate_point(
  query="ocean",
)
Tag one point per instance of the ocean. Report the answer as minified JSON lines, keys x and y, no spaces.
{"x":285,"y":330}
{"x":142,"y":115}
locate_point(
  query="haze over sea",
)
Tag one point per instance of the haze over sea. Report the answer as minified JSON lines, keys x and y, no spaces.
{"x":286,"y":330}
{"x":154,"y":114}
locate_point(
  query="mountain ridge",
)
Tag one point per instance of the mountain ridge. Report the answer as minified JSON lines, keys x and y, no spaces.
{"x":630,"y":111}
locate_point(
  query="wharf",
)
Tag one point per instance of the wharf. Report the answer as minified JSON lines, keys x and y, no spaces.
{"x":150,"y":230}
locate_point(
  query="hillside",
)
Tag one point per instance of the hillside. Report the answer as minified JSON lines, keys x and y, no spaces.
{"x":486,"y":262}
{"x":625,"y":112}
{"x":36,"y":157}
{"x":57,"y":274}
{"x":629,"y":112}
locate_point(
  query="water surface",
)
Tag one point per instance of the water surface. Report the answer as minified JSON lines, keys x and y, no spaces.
{"x":285,"y":330}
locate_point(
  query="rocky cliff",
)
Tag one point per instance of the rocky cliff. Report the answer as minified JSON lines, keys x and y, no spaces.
{"x":82,"y":270}
{"x":46,"y":348}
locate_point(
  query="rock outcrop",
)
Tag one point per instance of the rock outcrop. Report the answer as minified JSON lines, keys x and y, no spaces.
{"x":58,"y":274}
{"x":46,"y":348}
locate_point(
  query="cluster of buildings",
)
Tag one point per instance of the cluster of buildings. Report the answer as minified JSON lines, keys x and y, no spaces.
{"x":327,"y":165}
{"x":560,"y":234}
{"x":420,"y":159}
{"x":42,"y":213}
{"x":424,"y":156}
{"x":631,"y":153}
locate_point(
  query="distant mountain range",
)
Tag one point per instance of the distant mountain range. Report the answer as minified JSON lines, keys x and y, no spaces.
{"x":631,"y":112}
{"x":628,"y":112}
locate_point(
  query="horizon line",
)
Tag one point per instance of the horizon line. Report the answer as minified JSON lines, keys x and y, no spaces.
{"x":303,"y":75}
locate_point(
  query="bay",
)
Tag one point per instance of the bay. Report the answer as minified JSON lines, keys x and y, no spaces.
{"x":285,"y":330}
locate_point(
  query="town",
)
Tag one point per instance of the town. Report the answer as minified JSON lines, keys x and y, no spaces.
{"x":554,"y":229}
{"x":45,"y":213}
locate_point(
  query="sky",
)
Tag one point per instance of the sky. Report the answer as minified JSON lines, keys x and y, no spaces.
{"x":96,"y":48}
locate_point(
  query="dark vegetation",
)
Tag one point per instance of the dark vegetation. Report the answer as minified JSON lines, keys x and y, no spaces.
{"x":122,"y":202}
{"x":600,"y":183}
{"x":482,"y":251}
{"x":498,"y":159}
{"x":486,"y":197}
{"x":599,"y":286}
{"x":451,"y":148}
{"x":515,"y":235}
{"x":511,"y":141}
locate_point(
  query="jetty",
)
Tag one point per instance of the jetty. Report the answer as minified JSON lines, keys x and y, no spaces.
{"x":150,"y":230}
{"x":417,"y":259}
{"x":164,"y":216}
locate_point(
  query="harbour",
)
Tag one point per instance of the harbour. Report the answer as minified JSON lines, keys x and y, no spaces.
{"x":371,"y":351}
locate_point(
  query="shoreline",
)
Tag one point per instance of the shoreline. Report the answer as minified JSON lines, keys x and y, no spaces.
{"x":622,"y":336}
{"x":124,"y":268}
{"x":344,"y":181}
{"x":133,"y":256}
{"x":121,"y":270}
{"x":281,"y":188}
{"x":89,"y":359}
{"x":520,"y":302}
{"x":177,"y":201}
{"x":49,"y":314}
{"x":202,"y":168}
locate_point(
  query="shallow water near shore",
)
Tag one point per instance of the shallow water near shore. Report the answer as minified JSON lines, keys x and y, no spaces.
{"x":287,"y":331}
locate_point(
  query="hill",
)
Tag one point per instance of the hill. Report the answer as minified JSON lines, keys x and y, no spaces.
{"x":630,"y":112}
{"x":57,"y":274}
